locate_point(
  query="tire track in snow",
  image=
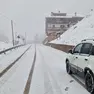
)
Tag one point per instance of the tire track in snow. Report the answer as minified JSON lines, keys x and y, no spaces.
{"x":53,"y":83}
{"x":7,"y":73}
{"x":75,"y":77}
{"x":27,"y":87}
{"x":5,"y":70}
{"x":67,"y":86}
{"x":47,"y":83}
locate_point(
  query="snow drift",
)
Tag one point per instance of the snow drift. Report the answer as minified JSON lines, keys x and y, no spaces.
{"x":4,"y":45}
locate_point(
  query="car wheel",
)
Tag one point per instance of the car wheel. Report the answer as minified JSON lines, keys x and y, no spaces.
{"x":89,"y":82}
{"x":68,"y":68}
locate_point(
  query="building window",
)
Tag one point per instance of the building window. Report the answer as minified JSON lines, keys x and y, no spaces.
{"x":49,"y":25}
{"x":62,"y":26}
{"x":68,"y":25}
{"x":53,"y":26}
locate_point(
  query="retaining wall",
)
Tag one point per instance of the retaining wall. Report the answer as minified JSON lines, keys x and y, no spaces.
{"x":62,"y":47}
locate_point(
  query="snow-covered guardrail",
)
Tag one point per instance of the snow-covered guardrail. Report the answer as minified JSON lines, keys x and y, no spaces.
{"x":6,"y":50}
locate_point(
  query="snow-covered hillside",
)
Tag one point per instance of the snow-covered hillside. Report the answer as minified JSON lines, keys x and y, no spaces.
{"x":82,"y":30}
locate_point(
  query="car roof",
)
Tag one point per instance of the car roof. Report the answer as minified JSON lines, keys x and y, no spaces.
{"x":88,"y":41}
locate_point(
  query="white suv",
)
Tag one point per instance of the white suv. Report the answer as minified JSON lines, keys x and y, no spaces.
{"x":80,"y":61}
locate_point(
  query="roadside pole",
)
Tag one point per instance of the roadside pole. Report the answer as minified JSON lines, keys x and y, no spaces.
{"x":25,"y":38}
{"x":12,"y":32}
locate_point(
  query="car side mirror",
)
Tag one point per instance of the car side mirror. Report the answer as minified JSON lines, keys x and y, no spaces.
{"x":70,"y":51}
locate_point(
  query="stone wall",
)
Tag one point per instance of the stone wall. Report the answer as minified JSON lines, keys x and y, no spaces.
{"x":62,"y":47}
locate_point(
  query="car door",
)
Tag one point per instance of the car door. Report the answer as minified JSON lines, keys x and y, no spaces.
{"x":83,"y":58}
{"x":74,"y":56}
{"x":91,"y":60}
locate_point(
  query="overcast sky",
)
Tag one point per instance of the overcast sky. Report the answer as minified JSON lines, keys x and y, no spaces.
{"x":29,"y":15}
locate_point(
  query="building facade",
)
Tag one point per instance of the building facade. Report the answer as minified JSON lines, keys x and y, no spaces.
{"x":58,"y":23}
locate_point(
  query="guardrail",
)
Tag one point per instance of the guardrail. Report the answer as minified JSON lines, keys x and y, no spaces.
{"x":6,"y":50}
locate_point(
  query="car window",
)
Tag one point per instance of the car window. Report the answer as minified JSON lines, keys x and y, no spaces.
{"x":92,"y":51}
{"x":77,"y":49}
{"x":86,"y":48}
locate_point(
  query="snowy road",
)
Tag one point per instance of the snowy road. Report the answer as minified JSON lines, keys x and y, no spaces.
{"x":48,"y":77}
{"x":56,"y":80}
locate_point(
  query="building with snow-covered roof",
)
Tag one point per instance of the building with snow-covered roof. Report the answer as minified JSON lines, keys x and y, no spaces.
{"x":58,"y":23}
{"x":82,"y":30}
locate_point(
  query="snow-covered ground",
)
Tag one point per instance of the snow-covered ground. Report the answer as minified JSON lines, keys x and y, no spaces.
{"x":7,"y":59}
{"x":49,"y":76}
{"x":4,"y":45}
{"x":56,"y":80}
{"x":82,"y":30}
{"x":14,"y":81}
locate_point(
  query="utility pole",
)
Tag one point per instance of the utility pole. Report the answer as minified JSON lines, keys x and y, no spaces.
{"x":12,"y":32}
{"x":25,"y":37}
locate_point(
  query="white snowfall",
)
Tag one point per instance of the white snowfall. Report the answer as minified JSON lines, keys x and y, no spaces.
{"x":49,"y":75}
{"x":82,"y":30}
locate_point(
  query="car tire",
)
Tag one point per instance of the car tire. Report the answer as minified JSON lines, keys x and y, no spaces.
{"x":89,"y":82}
{"x":68,"y":68}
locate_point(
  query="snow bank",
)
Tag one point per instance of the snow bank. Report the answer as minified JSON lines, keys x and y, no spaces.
{"x":82,"y":30}
{"x":4,"y":45}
